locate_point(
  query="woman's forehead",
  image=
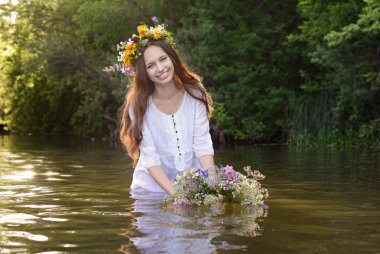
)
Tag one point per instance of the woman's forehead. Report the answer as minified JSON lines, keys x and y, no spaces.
{"x":152,"y":53}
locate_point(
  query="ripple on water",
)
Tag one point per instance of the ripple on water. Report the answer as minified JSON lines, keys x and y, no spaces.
{"x":25,"y":235}
{"x":12,"y":244}
{"x":18,"y":161}
{"x":27,"y":166}
{"x":17,"y":218}
{"x":54,"y":179}
{"x":52,"y":252}
{"x":19,"y":176}
{"x":17,"y":187}
{"x":40,"y":206}
{"x":42,"y":189}
{"x":9,"y":155}
{"x":55,"y":219}
{"x":50,"y":173}
{"x":7,"y":193}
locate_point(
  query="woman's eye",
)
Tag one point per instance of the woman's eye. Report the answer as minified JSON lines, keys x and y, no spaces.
{"x":163,"y":59}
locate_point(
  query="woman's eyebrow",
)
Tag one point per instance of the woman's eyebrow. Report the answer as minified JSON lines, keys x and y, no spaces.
{"x":152,"y":61}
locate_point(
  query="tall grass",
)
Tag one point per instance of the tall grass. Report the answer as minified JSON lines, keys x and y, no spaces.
{"x":313,"y":123}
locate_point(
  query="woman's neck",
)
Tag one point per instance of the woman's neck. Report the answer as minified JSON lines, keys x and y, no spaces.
{"x":168,"y":99}
{"x":166,"y":92}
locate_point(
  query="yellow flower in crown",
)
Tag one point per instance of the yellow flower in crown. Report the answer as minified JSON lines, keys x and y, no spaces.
{"x":156,"y":33}
{"x":129,"y":51}
{"x":142,"y":29}
{"x":130,"y":48}
{"x":126,"y":60}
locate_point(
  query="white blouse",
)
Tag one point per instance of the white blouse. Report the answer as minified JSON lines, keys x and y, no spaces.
{"x":174,"y":142}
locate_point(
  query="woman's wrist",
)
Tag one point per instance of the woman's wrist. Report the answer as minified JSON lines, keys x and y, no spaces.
{"x":206,"y":161}
{"x":160,"y":177}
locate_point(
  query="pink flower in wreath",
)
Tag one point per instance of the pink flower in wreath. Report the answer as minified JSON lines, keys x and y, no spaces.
{"x":128,"y":71}
{"x":230,"y":172}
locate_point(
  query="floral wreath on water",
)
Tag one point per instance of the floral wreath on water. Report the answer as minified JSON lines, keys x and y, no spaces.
{"x":129,"y":51}
{"x":219,"y":184}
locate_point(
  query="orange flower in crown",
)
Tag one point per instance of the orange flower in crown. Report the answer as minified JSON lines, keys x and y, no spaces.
{"x":129,"y":51}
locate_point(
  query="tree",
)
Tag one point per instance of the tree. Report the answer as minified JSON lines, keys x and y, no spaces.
{"x":246,"y":62}
{"x":341,"y":42}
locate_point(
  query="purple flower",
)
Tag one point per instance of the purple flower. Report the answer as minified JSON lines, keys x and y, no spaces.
{"x":263,"y":205}
{"x":135,"y":38}
{"x":230,"y":173}
{"x":154,"y":19}
{"x":203,"y":172}
{"x":128,"y":71}
{"x":228,"y":186}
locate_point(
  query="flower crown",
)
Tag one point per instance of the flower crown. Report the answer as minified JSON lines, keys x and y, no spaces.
{"x":129,"y":51}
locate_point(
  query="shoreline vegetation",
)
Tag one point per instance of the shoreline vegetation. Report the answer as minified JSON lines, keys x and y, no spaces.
{"x":298,"y":72}
{"x":304,"y":141}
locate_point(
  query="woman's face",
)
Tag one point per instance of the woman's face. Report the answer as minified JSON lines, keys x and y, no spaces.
{"x":158,"y":65}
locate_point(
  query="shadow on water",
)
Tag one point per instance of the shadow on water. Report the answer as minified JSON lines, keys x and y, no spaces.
{"x":61,"y":195}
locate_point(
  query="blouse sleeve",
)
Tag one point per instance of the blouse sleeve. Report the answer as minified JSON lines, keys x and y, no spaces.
{"x":202,"y":144}
{"x":148,"y":154}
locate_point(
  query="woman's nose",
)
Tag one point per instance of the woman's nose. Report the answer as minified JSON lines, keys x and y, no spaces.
{"x":159,"y":67}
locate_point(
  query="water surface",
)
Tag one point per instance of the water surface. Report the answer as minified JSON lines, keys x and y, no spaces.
{"x":60,"y":195}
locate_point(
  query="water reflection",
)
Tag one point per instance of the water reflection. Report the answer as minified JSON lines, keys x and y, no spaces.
{"x":19,"y":176}
{"x":322,"y":200}
{"x":17,"y":218}
{"x":159,"y":228}
{"x":23,"y":234}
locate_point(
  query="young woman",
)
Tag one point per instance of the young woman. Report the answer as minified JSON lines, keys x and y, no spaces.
{"x":165,"y":116}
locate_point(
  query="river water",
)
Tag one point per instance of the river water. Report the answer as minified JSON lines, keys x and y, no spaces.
{"x":60,"y":195}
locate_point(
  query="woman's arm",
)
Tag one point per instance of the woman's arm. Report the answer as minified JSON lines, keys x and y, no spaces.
{"x":202,"y":144}
{"x":161,"y":178}
{"x":150,"y":160}
{"x":206,"y":161}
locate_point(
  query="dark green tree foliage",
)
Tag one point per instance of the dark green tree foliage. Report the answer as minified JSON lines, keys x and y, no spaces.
{"x":303,"y":71}
{"x":240,"y":48}
{"x":56,"y":84}
{"x":340,"y":95}
{"x":35,"y":103}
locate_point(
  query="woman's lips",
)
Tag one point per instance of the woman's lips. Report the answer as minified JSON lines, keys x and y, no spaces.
{"x":163,"y":75}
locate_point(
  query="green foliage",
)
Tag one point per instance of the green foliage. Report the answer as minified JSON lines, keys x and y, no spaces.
{"x":341,"y":42}
{"x":242,"y":56}
{"x":55,"y":86}
{"x":299,"y":71}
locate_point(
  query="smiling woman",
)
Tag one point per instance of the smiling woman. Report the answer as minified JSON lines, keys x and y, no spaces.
{"x":165,"y":116}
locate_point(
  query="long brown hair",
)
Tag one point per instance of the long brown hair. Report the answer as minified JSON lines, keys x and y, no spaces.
{"x":136,"y":98}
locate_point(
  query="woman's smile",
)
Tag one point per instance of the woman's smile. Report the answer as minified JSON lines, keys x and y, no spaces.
{"x":163,"y":75}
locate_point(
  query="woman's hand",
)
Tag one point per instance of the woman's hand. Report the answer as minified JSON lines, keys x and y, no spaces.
{"x":161,"y":179}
